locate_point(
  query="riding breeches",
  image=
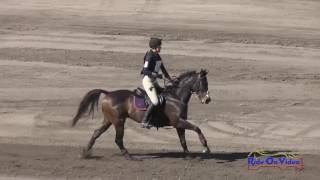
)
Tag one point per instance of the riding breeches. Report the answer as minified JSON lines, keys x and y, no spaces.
{"x":149,"y":87}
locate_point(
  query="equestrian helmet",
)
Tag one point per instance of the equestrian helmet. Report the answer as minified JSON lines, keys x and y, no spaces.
{"x":154,"y":42}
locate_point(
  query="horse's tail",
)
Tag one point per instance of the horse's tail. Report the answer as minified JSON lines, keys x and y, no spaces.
{"x":89,"y":101}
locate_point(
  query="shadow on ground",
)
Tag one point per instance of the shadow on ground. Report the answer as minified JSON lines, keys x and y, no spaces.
{"x":180,"y":155}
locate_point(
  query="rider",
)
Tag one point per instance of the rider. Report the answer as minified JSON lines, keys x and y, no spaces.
{"x":150,"y":72}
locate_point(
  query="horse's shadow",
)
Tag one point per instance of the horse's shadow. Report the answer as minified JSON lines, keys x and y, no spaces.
{"x":220,"y":157}
{"x":223,"y":156}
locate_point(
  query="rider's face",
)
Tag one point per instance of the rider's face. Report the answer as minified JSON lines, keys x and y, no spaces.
{"x":158,"y":49}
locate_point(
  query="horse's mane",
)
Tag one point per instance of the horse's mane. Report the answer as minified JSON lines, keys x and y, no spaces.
{"x":185,"y":74}
{"x":171,"y":88}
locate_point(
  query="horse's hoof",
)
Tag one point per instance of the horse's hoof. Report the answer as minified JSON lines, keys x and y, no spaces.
{"x":186,"y":152}
{"x":85,"y":154}
{"x":206,"y":151}
{"x":130,"y":158}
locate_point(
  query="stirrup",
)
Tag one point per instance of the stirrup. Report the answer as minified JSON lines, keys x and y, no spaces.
{"x":146,"y":125}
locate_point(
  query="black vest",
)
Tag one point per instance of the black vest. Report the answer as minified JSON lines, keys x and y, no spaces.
{"x":151,"y":63}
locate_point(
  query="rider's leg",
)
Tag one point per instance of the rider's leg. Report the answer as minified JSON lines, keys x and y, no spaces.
{"x":152,"y":93}
{"x":145,"y":121}
{"x":159,"y":89}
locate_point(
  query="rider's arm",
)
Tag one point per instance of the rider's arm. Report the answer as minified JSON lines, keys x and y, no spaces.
{"x":165,"y":72}
{"x":147,"y":65}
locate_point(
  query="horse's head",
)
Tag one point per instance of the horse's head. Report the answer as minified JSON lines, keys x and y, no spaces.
{"x":200,"y":87}
{"x":194,"y":83}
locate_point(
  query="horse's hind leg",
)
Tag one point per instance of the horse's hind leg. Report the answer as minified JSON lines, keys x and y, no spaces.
{"x":97,"y":133}
{"x":119,"y":127}
{"x":187,"y":125}
{"x":182,"y":138}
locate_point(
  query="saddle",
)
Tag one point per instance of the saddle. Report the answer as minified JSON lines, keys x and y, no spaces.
{"x":141,"y":100}
{"x":140,"y":92}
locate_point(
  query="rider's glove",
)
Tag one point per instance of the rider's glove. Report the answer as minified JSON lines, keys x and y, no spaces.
{"x":156,"y":75}
{"x":170,"y":80}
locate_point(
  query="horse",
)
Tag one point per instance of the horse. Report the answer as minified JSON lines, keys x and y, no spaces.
{"x":117,"y":106}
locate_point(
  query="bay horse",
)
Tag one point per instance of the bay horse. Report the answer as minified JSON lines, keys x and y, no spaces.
{"x":117,"y":106}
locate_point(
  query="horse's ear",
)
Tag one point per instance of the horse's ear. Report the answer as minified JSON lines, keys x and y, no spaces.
{"x":203,"y":72}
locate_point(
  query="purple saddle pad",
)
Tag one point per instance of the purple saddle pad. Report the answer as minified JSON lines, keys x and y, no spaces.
{"x":139,"y":103}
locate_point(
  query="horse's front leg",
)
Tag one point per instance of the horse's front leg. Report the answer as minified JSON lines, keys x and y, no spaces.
{"x":181,"y":133}
{"x":183,"y":124}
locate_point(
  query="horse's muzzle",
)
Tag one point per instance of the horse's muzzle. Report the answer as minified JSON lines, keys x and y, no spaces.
{"x":206,"y":99}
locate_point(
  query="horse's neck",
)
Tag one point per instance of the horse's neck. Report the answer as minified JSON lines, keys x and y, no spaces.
{"x":185,"y":96}
{"x":184,"y":92}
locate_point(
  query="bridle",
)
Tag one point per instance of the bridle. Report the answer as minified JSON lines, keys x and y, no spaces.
{"x":199,"y":82}
{"x":193,"y":90}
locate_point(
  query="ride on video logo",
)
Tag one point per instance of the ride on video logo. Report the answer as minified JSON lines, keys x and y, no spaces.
{"x":282,"y":160}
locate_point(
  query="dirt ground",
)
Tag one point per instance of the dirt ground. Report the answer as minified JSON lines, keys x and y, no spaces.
{"x":263,"y":59}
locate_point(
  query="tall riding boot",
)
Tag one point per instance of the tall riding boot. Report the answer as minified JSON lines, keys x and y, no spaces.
{"x":145,"y":120}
